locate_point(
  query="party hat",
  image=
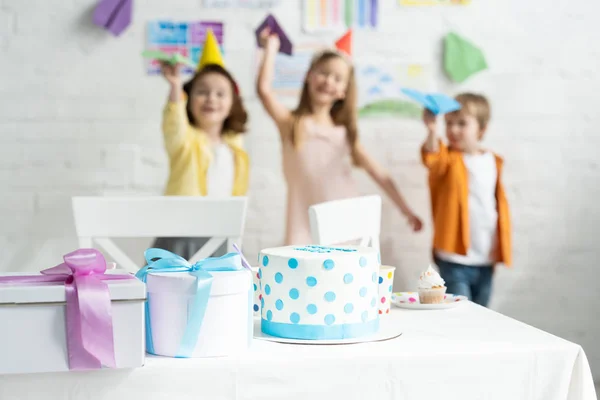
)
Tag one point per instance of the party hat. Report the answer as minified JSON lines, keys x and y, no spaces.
{"x":211,"y":54}
{"x":344,"y":44}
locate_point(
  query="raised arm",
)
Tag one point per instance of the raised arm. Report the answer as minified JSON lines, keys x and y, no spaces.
{"x":382,"y":177}
{"x":264,"y":82}
{"x":434,"y":154}
{"x":174,"y":124}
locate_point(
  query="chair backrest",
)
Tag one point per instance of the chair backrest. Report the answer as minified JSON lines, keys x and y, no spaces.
{"x":343,"y":221}
{"x":97,"y":219}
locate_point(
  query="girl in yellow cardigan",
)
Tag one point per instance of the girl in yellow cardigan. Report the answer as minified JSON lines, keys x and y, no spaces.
{"x":203,"y":138}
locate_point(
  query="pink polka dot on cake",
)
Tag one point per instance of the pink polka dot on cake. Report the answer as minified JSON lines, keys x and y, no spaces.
{"x":412,"y":299}
{"x":383,"y":300}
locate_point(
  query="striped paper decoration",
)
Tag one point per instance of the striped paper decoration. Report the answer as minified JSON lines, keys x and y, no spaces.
{"x":338,"y":15}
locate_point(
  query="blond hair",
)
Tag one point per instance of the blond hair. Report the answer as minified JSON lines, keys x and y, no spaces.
{"x":343,"y":112}
{"x":476,"y":105}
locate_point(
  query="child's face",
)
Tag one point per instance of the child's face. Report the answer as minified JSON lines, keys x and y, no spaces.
{"x":211,"y":99}
{"x":463,"y":131}
{"x":327,"y":82}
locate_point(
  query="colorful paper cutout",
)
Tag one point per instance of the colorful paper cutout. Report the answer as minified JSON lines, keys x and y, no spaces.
{"x":462,"y":59}
{"x":335,"y":15}
{"x":437,"y":103}
{"x":113,"y":15}
{"x":286,"y":45}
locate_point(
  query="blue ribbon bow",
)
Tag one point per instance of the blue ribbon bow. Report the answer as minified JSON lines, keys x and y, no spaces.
{"x":160,"y":260}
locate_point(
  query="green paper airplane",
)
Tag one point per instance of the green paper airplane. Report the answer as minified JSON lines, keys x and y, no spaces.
{"x":461,"y":58}
{"x":174,"y":58}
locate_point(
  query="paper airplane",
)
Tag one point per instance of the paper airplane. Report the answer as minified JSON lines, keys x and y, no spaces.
{"x":174,"y":58}
{"x":437,"y":103}
{"x":113,"y":15}
{"x":462,"y":58}
{"x":286,"y":46}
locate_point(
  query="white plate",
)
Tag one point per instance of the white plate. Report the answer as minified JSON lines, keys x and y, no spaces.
{"x":410,"y":300}
{"x":388,"y":329}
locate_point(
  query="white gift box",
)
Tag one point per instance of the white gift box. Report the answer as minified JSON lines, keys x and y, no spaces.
{"x":33,"y":326}
{"x":227,"y":324}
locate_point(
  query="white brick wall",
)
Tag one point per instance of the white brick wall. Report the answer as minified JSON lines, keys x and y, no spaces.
{"x":78,"y":116}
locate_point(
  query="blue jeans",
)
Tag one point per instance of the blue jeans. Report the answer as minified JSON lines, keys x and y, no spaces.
{"x":474,"y":282}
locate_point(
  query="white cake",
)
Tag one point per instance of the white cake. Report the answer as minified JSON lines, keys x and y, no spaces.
{"x":319,"y":292}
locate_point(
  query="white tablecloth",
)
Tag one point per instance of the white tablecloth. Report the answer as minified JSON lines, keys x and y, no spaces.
{"x":464,"y":353}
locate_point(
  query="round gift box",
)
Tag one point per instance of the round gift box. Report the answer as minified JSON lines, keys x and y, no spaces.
{"x":227,"y":324}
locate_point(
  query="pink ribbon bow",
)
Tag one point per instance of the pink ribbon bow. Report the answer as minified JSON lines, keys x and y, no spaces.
{"x":90,"y":341}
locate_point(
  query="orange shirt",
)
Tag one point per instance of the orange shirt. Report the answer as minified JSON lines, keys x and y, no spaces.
{"x":449,"y":190}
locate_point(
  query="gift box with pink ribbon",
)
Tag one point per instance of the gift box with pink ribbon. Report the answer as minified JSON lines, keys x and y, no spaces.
{"x":75,"y":316}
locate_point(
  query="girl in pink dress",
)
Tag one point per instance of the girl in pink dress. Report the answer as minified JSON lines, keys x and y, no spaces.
{"x":320,"y":139}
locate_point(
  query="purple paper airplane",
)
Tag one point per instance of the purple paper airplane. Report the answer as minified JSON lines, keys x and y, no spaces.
{"x":113,"y":15}
{"x":271,"y":22}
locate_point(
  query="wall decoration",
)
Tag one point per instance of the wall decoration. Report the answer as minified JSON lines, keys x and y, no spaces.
{"x":434,"y":2}
{"x":184,"y":38}
{"x":339,"y":15}
{"x":462,"y":58}
{"x":241,"y":3}
{"x":380,"y":89}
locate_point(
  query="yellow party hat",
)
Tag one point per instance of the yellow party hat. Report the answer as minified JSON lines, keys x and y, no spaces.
{"x":211,"y":54}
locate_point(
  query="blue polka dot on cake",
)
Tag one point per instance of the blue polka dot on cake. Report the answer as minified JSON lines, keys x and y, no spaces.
{"x":295,"y":317}
{"x":279,"y":277}
{"x":362,"y":292}
{"x":362,"y":262}
{"x":348,"y":278}
{"x":380,"y":280}
{"x":329,"y":319}
{"x":311,"y":309}
{"x":311,"y":281}
{"x":294,"y":294}
{"x":293,"y":263}
{"x":267,"y":289}
{"x":269,"y":315}
{"x":348,"y":308}
{"x":329,"y":296}
{"x":328,"y":264}
{"x":279,"y":304}
{"x":265,"y":261}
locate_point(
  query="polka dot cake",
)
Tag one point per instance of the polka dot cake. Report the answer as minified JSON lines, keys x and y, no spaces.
{"x":319,"y":292}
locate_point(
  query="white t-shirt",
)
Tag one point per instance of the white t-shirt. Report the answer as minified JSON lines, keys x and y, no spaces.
{"x":483,"y":211}
{"x":220,"y":174}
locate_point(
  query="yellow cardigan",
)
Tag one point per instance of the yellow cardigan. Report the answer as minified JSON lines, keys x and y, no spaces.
{"x":190,"y":155}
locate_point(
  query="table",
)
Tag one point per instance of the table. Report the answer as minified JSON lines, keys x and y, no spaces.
{"x":468,"y":352}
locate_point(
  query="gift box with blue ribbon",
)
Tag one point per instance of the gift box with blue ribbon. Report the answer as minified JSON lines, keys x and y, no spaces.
{"x":197,"y":310}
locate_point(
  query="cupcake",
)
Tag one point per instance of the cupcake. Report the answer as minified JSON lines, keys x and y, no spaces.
{"x":432,"y":287}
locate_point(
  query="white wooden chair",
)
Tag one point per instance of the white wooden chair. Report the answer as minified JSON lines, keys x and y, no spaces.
{"x":343,"y":221}
{"x":98,"y":219}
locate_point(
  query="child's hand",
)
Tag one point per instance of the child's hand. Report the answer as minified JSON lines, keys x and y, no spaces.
{"x":415,"y":223}
{"x":430,"y":121}
{"x":171,"y":73}
{"x":269,"y":41}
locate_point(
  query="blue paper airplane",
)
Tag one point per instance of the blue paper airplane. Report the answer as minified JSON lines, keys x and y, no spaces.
{"x":437,"y":103}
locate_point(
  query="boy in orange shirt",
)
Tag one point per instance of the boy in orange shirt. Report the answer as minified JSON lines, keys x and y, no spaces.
{"x":470,"y":211}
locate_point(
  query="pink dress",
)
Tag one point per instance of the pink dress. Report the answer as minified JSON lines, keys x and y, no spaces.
{"x":319,"y":170}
